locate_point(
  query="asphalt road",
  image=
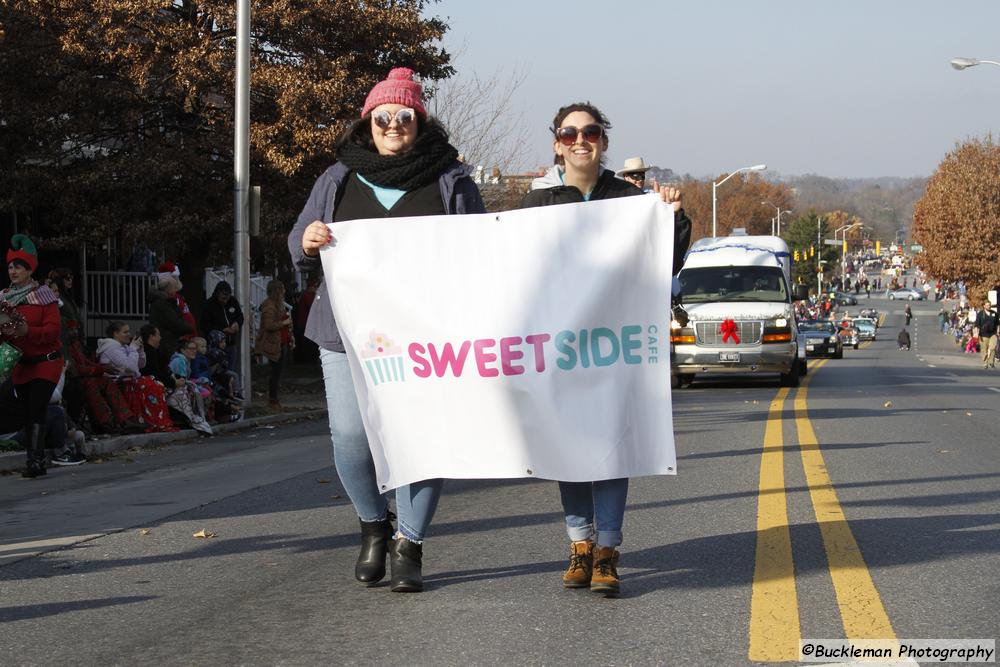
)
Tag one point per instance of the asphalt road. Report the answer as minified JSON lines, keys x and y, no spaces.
{"x":864,"y":503}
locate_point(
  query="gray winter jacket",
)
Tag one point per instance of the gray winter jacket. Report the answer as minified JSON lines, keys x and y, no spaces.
{"x":458,"y":193}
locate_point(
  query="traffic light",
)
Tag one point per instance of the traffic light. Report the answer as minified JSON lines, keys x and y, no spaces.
{"x":796,"y":255}
{"x":812,"y":251}
{"x":878,"y":248}
{"x":845,"y":246}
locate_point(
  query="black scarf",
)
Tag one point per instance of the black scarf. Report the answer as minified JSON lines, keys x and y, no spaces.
{"x":430,"y":156}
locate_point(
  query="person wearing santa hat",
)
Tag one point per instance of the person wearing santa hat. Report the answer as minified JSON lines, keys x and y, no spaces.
{"x":174,"y":271}
{"x":35,"y":331}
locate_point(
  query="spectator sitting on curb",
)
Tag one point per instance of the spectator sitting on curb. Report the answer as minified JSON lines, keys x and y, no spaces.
{"x":180,"y":366}
{"x":105,"y":406}
{"x":218,"y":358}
{"x":201,"y":369}
{"x":148,"y":396}
{"x":174,"y":387}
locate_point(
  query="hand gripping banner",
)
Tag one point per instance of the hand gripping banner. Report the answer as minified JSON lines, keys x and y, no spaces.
{"x":529,"y":343}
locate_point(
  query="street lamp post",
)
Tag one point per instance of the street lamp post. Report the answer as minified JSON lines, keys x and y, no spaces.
{"x":819,"y":255}
{"x":843,"y":252}
{"x":241,"y":187}
{"x":777,"y":217}
{"x":964,"y":63}
{"x":756,"y":167}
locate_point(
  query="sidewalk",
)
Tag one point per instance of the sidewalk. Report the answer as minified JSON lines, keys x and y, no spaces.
{"x":936,"y":348}
{"x":302,"y":397}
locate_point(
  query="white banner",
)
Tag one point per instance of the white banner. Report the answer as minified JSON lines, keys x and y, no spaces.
{"x":529,"y":343}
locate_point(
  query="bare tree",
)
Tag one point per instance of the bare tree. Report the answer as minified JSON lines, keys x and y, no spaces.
{"x":483,"y":124}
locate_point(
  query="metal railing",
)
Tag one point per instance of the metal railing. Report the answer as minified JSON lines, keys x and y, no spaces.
{"x":116,"y":295}
{"x":122,"y":295}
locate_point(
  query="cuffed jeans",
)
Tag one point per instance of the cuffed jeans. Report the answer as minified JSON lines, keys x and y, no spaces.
{"x":595,"y":508}
{"x":415,"y":503}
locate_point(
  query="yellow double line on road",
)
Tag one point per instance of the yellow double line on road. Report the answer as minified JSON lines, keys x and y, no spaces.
{"x":775,"y":632}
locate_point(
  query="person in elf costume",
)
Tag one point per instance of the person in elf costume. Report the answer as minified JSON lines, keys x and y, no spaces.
{"x":32,"y":326}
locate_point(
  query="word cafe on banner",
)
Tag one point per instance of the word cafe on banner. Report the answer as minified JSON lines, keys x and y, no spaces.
{"x":529,"y":343}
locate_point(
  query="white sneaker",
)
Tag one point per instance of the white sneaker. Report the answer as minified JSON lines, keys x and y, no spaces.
{"x":68,"y":458}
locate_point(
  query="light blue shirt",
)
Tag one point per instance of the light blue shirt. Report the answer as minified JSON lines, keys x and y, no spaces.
{"x":386,"y":196}
{"x":586,"y":195}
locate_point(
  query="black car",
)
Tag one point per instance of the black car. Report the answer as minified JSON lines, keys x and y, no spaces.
{"x":820,"y":339}
{"x":845,"y":299}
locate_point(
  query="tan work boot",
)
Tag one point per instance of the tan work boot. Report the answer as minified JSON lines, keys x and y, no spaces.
{"x":581,"y":564}
{"x":605,"y":576}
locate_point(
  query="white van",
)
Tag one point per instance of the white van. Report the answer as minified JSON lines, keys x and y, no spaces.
{"x":738,"y":296}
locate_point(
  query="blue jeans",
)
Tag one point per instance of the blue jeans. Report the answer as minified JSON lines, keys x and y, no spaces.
{"x":415,"y":503}
{"x":603,"y":501}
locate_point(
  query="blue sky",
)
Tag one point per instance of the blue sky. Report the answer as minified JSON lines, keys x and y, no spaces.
{"x":841,"y":89}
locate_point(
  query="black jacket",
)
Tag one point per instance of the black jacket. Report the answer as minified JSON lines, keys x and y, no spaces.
{"x":166,"y":316}
{"x":987,"y":323}
{"x":609,"y":187}
{"x":157,"y":366}
{"x":215,"y":316}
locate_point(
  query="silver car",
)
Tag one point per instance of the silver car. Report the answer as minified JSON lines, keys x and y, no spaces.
{"x":908,"y":293}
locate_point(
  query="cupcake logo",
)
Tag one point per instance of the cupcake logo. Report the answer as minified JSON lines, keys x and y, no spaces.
{"x":383,"y":359}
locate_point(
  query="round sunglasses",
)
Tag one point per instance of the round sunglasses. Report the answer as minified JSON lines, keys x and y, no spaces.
{"x":384,"y":119}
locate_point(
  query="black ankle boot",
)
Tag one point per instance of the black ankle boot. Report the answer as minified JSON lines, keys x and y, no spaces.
{"x":405,"y":561}
{"x":35,"y":466}
{"x":375,"y":539}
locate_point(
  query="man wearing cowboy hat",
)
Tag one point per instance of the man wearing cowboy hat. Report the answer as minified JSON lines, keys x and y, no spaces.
{"x":635,"y":172}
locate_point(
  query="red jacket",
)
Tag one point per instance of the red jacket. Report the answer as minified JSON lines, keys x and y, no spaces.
{"x":42,"y":338}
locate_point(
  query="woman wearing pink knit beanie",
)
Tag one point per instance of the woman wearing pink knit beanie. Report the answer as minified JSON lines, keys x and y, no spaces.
{"x":394,"y":161}
{"x":398,"y":88}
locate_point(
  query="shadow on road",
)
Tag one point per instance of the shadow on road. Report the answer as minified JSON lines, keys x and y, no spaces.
{"x":708,"y":562}
{"x":9,"y":614}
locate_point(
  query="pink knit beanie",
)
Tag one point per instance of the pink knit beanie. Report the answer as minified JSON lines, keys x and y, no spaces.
{"x":398,"y":88}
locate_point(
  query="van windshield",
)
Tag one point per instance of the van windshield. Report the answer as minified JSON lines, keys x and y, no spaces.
{"x":733,"y":283}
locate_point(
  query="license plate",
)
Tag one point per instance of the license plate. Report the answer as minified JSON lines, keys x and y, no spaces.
{"x":810,"y":348}
{"x":729,"y":356}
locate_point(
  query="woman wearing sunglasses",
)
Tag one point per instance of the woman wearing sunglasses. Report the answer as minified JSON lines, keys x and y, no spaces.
{"x":594,"y":511}
{"x":394,"y":161}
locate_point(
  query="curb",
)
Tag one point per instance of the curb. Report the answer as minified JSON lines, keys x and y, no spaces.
{"x":14,"y":461}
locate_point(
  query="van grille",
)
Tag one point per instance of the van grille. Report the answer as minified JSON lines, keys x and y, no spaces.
{"x":708,"y":333}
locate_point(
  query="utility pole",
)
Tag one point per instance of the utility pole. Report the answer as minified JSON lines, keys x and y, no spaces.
{"x":241,"y":176}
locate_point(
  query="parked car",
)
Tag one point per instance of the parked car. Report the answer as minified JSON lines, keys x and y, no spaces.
{"x":820,"y":339}
{"x":908,"y":293}
{"x":866,"y":328}
{"x":845,"y":299}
